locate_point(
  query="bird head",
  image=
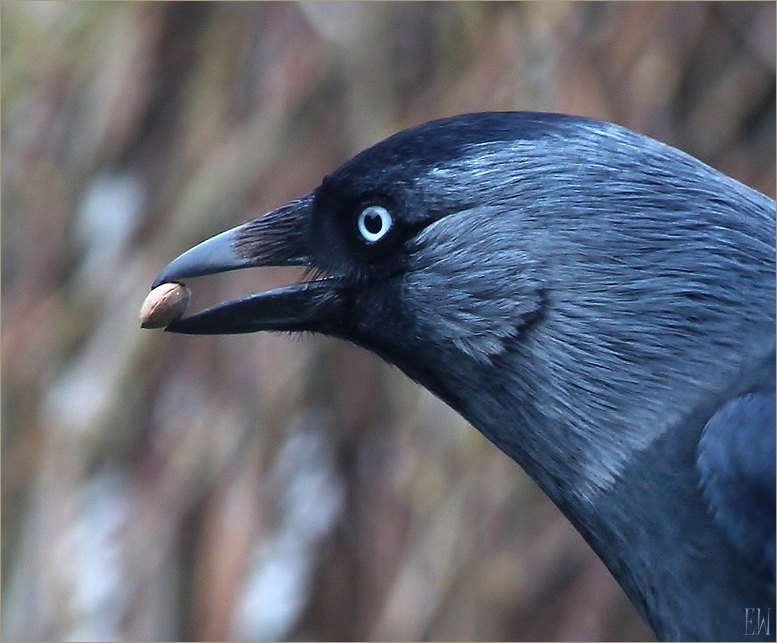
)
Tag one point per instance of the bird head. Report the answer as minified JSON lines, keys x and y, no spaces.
{"x":408,"y":240}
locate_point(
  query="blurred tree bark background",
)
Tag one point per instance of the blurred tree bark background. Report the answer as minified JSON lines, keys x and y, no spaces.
{"x":266,"y":487}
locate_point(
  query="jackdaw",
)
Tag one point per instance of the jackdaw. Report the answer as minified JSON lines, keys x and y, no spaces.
{"x":600,"y":305}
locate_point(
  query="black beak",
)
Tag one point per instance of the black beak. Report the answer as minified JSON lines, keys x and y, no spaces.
{"x":279,"y":238}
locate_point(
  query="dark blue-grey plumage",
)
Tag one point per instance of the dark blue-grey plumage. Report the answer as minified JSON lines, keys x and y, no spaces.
{"x":737,"y":467}
{"x":600,"y":305}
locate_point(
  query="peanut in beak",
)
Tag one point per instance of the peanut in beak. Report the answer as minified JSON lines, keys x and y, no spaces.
{"x":163,"y":305}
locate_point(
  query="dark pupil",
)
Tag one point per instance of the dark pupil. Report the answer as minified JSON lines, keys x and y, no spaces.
{"x":373,"y":223}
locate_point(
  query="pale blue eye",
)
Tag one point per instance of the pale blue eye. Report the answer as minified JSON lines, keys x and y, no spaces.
{"x":373,"y":223}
